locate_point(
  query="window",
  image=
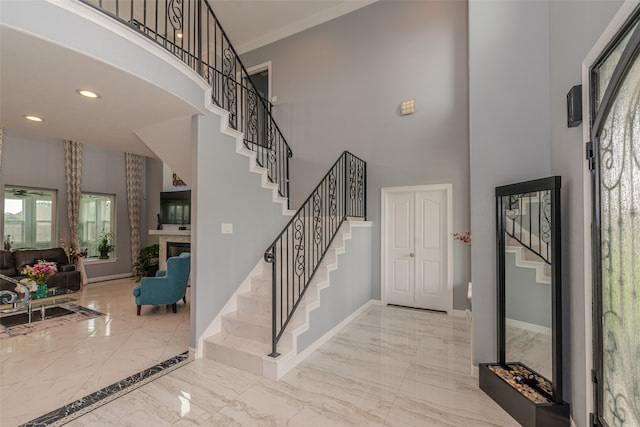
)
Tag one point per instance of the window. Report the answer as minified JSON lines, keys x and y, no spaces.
{"x":29,"y":219}
{"x":97,"y":213}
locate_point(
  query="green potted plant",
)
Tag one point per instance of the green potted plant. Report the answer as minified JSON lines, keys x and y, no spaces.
{"x":105,"y":244}
{"x":148,"y":262}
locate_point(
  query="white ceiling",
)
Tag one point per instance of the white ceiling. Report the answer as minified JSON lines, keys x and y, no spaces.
{"x":40,"y":78}
{"x":254,"y":23}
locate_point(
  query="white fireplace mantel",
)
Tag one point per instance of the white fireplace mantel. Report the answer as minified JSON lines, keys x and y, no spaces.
{"x":170,"y":233}
{"x":177,"y":236}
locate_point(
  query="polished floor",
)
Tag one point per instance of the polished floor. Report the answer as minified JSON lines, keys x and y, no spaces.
{"x":389,"y":367}
{"x":43,"y":371}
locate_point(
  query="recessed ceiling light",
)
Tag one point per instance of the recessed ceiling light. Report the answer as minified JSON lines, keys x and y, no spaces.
{"x":33,"y":118}
{"x":88,"y":93}
{"x":179,"y":35}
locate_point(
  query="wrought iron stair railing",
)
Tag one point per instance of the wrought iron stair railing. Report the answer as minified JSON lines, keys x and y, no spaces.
{"x":529,"y":222}
{"x":190,"y":30}
{"x":297,"y":252}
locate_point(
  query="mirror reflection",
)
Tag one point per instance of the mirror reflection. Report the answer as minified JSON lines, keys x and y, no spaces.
{"x":528,"y":304}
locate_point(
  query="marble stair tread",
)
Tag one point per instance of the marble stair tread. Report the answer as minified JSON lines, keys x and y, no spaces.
{"x":261,"y":301}
{"x":238,"y":352}
{"x":261,"y":285}
{"x":260,"y":320}
{"x":245,"y":345}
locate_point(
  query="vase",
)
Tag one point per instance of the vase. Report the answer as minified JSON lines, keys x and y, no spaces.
{"x":42,"y":290}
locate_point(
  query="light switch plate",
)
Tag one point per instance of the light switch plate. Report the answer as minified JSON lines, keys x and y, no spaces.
{"x":227,"y":228}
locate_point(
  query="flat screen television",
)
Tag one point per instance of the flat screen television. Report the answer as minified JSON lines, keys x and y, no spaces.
{"x":175,"y":207}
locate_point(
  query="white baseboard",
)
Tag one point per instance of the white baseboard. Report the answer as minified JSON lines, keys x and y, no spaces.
{"x":474,"y":371}
{"x":112,"y":277}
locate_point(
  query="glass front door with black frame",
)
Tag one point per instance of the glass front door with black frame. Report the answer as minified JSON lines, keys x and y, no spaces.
{"x":615,"y":134}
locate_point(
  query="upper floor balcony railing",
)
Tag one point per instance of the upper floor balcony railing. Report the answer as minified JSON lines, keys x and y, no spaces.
{"x":190,"y":30}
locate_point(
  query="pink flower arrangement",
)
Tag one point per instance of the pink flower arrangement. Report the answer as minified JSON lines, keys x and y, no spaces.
{"x":464,"y":238}
{"x":40,"y":272}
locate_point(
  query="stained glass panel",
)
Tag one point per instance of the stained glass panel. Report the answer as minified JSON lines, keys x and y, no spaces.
{"x":619,"y":156}
{"x":605,"y":69}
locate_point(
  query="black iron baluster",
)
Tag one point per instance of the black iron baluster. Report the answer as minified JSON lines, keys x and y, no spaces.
{"x":309,"y":234}
{"x":364,"y":190}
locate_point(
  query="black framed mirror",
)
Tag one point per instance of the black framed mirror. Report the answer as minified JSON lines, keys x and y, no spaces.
{"x":529,"y":283}
{"x":527,"y":379}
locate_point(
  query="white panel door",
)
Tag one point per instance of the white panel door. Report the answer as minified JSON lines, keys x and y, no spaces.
{"x":416,"y":268}
{"x":431,"y":290}
{"x":400,"y":269}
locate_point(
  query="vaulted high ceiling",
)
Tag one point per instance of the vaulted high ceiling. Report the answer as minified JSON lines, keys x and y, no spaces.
{"x":254,"y":23}
{"x":40,"y":77}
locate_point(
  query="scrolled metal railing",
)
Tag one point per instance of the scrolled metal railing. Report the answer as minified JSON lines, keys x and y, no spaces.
{"x":12,"y":297}
{"x":529,"y":222}
{"x":297,"y":252}
{"x":190,"y":30}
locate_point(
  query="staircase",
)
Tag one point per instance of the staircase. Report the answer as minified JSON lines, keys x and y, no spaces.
{"x":246,"y":333}
{"x":258,"y":327}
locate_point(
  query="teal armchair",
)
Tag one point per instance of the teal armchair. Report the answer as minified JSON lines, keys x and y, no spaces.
{"x":168,"y":287}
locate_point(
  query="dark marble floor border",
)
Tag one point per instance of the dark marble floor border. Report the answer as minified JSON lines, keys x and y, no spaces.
{"x":105,"y":395}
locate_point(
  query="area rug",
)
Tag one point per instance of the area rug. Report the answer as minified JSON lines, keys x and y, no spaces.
{"x":65,"y":314}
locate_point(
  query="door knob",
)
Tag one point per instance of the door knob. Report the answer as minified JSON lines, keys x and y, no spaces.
{"x":412,"y":254}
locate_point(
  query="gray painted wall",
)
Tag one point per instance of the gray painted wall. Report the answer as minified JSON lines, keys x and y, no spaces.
{"x":35,"y":161}
{"x":224,"y":192}
{"x":339,"y":86}
{"x":509,"y":132}
{"x":350,"y":288}
{"x":31,"y":160}
{"x":526,"y":300}
{"x":574,"y":28}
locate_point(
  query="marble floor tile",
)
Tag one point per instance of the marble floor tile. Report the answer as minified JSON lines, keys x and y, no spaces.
{"x":54,"y":367}
{"x":389,"y":367}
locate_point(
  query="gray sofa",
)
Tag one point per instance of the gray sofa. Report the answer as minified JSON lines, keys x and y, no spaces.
{"x":12,"y":263}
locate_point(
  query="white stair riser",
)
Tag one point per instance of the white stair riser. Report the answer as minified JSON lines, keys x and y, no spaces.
{"x":244,"y":329}
{"x":263,"y":285}
{"x":252,"y":303}
{"x":233,"y":357}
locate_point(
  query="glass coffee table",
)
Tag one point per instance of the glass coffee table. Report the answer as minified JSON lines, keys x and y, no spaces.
{"x":54,"y":297}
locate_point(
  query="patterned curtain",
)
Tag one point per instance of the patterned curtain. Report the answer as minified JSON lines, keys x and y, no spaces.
{"x":73,"y":176}
{"x":1,"y":138}
{"x":134,"y":196}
